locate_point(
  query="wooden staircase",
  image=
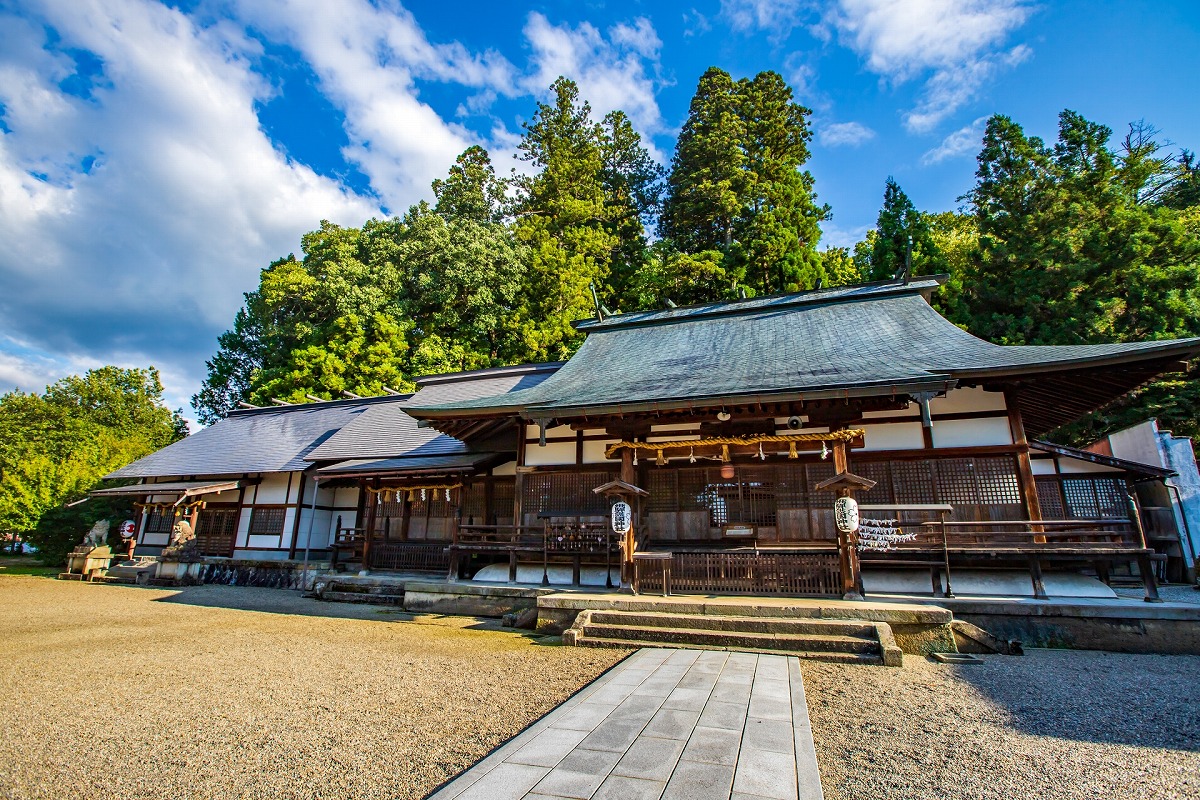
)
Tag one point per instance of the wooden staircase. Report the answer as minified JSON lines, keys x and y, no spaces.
{"x":843,"y":641}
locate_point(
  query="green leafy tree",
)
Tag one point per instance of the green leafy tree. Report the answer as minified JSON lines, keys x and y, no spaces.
{"x":901,"y":233}
{"x":737,"y":184}
{"x":1072,"y":249}
{"x":563,"y":218}
{"x":471,"y":191}
{"x":55,"y":447}
{"x":463,"y":279}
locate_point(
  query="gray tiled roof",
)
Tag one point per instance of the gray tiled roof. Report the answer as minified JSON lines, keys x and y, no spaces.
{"x":866,"y":339}
{"x":450,"y":463}
{"x":255,"y":440}
{"x":386,"y":431}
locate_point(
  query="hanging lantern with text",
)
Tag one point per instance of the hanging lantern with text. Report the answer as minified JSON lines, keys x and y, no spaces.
{"x":845,"y":514}
{"x":622,"y":517}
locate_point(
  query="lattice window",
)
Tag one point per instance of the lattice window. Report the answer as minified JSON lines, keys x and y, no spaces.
{"x":1095,"y":498}
{"x":566,"y":494}
{"x":267,"y":521}
{"x":912,"y":482}
{"x":663,"y":485}
{"x":997,"y":480}
{"x":1111,"y":500}
{"x":160,"y":520}
{"x":792,"y":486}
{"x":472,"y":502}
{"x":1050,"y":499}
{"x":503,"y":494}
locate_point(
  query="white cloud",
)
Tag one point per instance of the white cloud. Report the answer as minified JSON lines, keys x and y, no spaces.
{"x":146,"y":252}
{"x":848,"y":134}
{"x":958,"y":43}
{"x":368,"y":59}
{"x":832,"y":235}
{"x":777,"y":17}
{"x":611,"y":73}
{"x":964,"y":140}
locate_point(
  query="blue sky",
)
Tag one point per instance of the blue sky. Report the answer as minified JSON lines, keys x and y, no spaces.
{"x":154,"y":157}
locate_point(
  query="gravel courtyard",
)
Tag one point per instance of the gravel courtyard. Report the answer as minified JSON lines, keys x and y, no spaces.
{"x":121,"y":692}
{"x":117,"y":692}
{"x":1050,"y":724}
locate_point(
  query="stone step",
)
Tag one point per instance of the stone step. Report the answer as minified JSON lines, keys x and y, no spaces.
{"x":371,"y":598}
{"x":832,"y":643}
{"x":873,"y":659}
{"x":713,"y":622}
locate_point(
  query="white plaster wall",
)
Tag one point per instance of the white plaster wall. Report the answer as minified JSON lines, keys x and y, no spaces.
{"x":1041,"y":466}
{"x":958,"y":401}
{"x":509,"y":468}
{"x":1078,"y":466}
{"x":894,"y":436}
{"x":971,"y":432}
{"x":1181,"y":457}
{"x":533,"y":433}
{"x":274,"y":489}
{"x":553,"y":454}
{"x":593,"y":452}
{"x":1139,"y":443}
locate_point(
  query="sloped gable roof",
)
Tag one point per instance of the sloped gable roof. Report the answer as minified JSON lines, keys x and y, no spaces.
{"x":870,"y":339}
{"x":253,"y":440}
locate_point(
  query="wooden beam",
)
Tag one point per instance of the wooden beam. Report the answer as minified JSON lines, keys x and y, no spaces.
{"x":1033,"y":506}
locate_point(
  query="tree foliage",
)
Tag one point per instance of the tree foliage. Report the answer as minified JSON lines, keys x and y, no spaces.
{"x":737,"y":185}
{"x":56,"y":446}
{"x":1080,"y":241}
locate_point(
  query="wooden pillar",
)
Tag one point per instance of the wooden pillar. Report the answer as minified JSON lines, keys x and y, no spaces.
{"x":852,"y":586}
{"x":519,"y":479}
{"x":296,"y":519}
{"x":372,"y":501}
{"x":1033,"y":507}
{"x":628,"y":475}
{"x":405,"y":517}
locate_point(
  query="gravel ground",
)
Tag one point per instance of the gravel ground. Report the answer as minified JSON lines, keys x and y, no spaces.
{"x":1051,"y":724}
{"x":1175,"y":593}
{"x":224,"y":692}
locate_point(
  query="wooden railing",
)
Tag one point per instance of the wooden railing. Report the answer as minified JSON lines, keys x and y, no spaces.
{"x":1030,"y":543}
{"x":413,"y":556}
{"x":803,"y":572}
{"x":576,"y":543}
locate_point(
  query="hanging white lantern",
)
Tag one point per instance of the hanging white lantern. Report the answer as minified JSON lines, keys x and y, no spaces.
{"x":622,"y":517}
{"x":845,"y":514}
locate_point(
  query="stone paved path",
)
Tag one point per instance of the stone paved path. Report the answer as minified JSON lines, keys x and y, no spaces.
{"x":665,"y":723}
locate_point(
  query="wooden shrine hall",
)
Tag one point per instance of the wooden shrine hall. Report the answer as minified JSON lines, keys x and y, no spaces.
{"x":744,"y":421}
{"x":731,"y":429}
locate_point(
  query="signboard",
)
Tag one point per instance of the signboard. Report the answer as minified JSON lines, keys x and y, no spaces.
{"x":622,"y":517}
{"x":128,"y":529}
{"x":845,"y":514}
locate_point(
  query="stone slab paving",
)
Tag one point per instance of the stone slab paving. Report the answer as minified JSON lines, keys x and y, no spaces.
{"x":665,"y":724}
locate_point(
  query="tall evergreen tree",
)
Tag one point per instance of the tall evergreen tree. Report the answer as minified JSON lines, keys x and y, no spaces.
{"x":901,"y":230}
{"x":1069,"y":253}
{"x":705,"y":184}
{"x":567,"y":216}
{"x":737,"y":183}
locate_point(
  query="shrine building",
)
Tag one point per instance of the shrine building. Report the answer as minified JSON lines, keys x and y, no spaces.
{"x":731,"y":429}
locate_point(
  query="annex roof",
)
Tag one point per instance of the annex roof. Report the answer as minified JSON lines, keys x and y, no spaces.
{"x":387,"y":431}
{"x":462,"y":462}
{"x":275,"y":439}
{"x":872,"y":339}
{"x":1134,"y":467}
{"x":181,"y":488}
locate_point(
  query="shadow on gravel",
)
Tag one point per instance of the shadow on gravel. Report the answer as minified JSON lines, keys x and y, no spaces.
{"x":1091,"y":696}
{"x":292,"y":602}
